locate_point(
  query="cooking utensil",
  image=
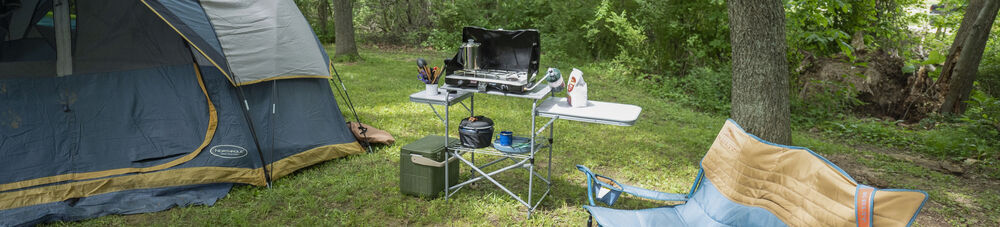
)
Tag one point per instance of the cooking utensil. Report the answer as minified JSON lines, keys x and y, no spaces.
{"x":437,"y":74}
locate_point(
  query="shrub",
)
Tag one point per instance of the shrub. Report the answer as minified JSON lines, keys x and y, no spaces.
{"x":706,"y":89}
{"x":826,"y":100}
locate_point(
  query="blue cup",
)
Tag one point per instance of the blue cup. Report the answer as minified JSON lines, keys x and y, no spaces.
{"x":506,"y":137}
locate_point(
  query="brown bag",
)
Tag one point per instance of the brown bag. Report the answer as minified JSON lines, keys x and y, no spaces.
{"x":372,"y":134}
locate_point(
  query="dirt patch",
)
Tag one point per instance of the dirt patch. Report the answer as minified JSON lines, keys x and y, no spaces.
{"x":968,"y":169}
{"x":875,"y":78}
{"x":929,"y":216}
{"x":861,"y":173}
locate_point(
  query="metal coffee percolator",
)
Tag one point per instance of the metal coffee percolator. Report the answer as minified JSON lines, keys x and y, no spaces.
{"x":470,"y":55}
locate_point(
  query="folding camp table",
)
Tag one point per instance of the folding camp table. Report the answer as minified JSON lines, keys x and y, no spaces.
{"x":446,"y":99}
{"x":552,"y":107}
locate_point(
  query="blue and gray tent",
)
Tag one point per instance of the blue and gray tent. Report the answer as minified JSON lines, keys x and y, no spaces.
{"x":124,"y":106}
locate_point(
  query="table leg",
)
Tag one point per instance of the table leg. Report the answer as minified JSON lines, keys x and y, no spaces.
{"x":446,"y":153}
{"x":531,"y":167}
{"x":487,"y":177}
{"x":472,"y":113}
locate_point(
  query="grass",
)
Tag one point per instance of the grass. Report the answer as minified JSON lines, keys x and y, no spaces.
{"x":661,"y":152}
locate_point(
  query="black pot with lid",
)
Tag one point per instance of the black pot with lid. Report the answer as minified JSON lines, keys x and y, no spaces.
{"x":476,"y":132}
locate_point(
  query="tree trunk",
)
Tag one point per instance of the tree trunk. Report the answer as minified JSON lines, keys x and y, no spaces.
{"x":971,"y":12}
{"x":323,"y":12}
{"x":409,"y":16}
{"x":343,"y":21}
{"x":968,"y":61}
{"x":760,"y":69}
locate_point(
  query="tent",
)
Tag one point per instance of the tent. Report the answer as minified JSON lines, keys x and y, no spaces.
{"x":124,"y":106}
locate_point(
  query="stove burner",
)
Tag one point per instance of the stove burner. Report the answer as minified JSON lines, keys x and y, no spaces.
{"x":503,"y":80}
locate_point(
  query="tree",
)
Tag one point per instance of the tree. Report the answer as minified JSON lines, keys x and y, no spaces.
{"x":969,"y":55}
{"x":947,"y":69}
{"x":343,"y":20}
{"x":323,"y":14}
{"x":760,"y":69}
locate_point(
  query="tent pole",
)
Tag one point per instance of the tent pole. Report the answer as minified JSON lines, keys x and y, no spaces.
{"x":253,"y":132}
{"x":274,"y":110}
{"x":350,"y":104}
{"x":246,"y":116}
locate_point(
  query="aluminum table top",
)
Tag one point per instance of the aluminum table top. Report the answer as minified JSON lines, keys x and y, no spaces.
{"x":442,"y":98}
{"x":594,"y":112}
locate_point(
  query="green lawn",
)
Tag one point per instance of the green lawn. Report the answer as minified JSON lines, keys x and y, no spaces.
{"x":661,"y":152}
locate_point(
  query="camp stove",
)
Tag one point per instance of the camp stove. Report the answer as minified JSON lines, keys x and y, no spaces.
{"x":498,"y":60}
{"x":483,"y":79}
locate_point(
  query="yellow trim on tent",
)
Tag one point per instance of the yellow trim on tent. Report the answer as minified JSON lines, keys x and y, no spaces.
{"x":175,"y":177}
{"x":285,"y":77}
{"x":295,"y":162}
{"x":212,"y":125}
{"x":231,"y":81}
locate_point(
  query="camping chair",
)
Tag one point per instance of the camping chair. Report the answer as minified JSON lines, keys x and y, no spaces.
{"x":746,"y":181}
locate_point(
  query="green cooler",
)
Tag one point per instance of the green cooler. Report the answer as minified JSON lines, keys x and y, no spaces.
{"x":421,"y":167}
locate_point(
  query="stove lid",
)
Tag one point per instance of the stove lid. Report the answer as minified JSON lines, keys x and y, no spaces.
{"x":511,"y":50}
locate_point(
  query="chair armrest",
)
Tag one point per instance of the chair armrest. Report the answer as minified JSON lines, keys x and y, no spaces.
{"x":608,"y":190}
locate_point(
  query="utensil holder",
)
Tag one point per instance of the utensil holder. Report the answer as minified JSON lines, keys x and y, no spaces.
{"x":431,"y":89}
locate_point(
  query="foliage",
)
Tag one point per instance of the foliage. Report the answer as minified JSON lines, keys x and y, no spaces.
{"x":611,"y":32}
{"x":643,"y":35}
{"x":826,"y":100}
{"x":957,"y":142}
{"x":984,"y":110}
{"x":949,"y":18}
{"x":871,"y":131}
{"x":989,"y":68}
{"x":709,"y":88}
{"x":819,"y":25}
{"x":938,"y":33}
{"x":391,"y":21}
{"x":706,"y":89}
{"x":681,"y":35}
{"x":310,"y":9}
{"x":828,"y":27}
{"x":949,"y":139}
{"x":810,"y":26}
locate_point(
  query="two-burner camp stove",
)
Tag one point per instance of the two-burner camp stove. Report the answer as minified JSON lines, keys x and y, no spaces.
{"x":500,"y":60}
{"x":486,"y":79}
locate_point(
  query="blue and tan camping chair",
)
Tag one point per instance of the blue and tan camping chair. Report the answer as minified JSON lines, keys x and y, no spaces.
{"x":746,"y":181}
